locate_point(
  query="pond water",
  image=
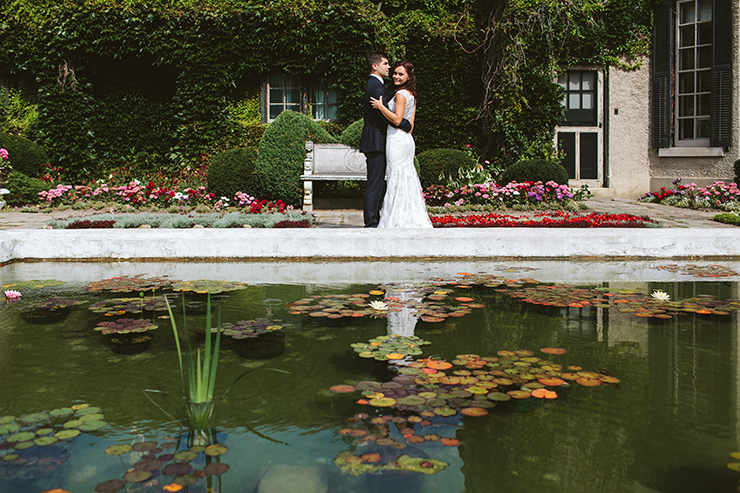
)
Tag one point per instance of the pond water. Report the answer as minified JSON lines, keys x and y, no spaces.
{"x":664,"y":416}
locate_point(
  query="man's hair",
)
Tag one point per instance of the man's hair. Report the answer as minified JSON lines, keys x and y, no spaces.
{"x":374,"y":58}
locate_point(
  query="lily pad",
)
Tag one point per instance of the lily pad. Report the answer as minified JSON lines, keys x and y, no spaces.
{"x":110,"y":486}
{"x":119,"y":449}
{"x":186,"y":455}
{"x":216,"y":449}
{"x":137,"y":476}
{"x":65,"y":434}
{"x":21,"y":436}
{"x":216,"y":469}
{"x":176,"y":469}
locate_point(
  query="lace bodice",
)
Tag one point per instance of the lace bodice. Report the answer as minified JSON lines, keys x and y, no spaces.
{"x":410,"y":104}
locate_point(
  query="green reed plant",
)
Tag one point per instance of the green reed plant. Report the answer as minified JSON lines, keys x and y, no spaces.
{"x":201,"y":372}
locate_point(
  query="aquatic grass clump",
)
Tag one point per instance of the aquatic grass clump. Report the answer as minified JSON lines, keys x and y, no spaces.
{"x":201,"y":373}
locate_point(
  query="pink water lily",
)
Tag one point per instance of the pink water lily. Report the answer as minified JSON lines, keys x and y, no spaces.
{"x":12,"y":294}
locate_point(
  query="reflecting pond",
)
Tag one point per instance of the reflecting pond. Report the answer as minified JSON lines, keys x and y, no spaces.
{"x":493,"y":377}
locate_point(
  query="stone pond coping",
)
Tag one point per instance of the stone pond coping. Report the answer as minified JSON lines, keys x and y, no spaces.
{"x":369,"y":244}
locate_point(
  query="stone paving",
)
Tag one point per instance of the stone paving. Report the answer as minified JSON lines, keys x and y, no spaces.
{"x":670,"y":217}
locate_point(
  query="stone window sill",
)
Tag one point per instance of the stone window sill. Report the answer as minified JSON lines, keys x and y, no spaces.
{"x":691,"y":152}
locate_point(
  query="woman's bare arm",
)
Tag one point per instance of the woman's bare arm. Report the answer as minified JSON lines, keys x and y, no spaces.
{"x":394,"y":118}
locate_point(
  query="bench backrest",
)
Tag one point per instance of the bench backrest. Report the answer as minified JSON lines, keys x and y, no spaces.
{"x":335,"y":160}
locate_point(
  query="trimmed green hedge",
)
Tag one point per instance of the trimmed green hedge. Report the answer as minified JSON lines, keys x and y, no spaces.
{"x":25,"y":156}
{"x":23,"y":189}
{"x":352,"y":134}
{"x":437,"y":165}
{"x":535,"y":170}
{"x":233,"y":171}
{"x":281,"y":155}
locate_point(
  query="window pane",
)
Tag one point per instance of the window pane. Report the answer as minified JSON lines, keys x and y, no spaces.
{"x":705,"y":33}
{"x":319,"y":97}
{"x":331,"y":112}
{"x":563,"y":80}
{"x":686,"y":83}
{"x":687,"y":12}
{"x":276,"y":96}
{"x":574,"y":101}
{"x":574,"y":83}
{"x":686,"y":106}
{"x":318,"y":112}
{"x":702,"y":128}
{"x":705,"y":10}
{"x":275,"y":110}
{"x":294,"y":107}
{"x":587,"y":83}
{"x":704,"y":104}
{"x":293,"y":96}
{"x":586,"y":101}
{"x":703,"y":81}
{"x":686,"y":59}
{"x":686,"y":36}
{"x":705,"y":57}
{"x":686,"y":129}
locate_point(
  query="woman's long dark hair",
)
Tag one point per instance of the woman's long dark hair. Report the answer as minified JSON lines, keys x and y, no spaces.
{"x":409,"y":85}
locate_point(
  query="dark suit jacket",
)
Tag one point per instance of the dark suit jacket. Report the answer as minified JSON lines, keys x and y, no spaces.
{"x":375,"y":127}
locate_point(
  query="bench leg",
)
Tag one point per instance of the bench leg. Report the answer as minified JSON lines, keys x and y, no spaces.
{"x":308,"y":196}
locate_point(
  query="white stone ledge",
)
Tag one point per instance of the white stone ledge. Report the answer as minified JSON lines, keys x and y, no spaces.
{"x":368,"y":244}
{"x":691,"y":152}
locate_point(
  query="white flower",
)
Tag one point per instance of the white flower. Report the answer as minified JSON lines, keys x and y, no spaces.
{"x":378,"y":305}
{"x":12,"y":294}
{"x":660,"y":296}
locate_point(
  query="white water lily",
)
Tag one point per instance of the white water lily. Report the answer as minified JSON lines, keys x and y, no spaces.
{"x":660,"y":296}
{"x":378,"y":305}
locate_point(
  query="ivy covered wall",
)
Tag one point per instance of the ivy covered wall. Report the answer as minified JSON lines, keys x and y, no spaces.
{"x":159,"y":83}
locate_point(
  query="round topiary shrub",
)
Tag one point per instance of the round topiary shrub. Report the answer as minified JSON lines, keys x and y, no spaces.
{"x":351,"y":135}
{"x":535,"y":170}
{"x":26,"y":156}
{"x":232,"y":171}
{"x":436,"y":166}
{"x":281,"y":155}
{"x":23,"y":189}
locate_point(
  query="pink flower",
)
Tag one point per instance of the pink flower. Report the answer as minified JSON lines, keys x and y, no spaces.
{"x":12,"y":294}
{"x":4,"y":154}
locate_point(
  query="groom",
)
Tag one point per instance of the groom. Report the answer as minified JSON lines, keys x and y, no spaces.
{"x":372,"y":142}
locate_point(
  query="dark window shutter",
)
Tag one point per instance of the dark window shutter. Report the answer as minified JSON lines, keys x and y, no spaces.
{"x":662,"y":80}
{"x":722,"y":39}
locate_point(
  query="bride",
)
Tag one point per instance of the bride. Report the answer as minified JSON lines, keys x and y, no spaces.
{"x":403,"y":204}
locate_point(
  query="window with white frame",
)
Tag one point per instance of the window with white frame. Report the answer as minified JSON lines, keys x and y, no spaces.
{"x":324,"y":102}
{"x":694,"y":77}
{"x":288,"y":92}
{"x":284,"y":93}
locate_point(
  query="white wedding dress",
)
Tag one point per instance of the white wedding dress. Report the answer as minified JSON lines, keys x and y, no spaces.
{"x":403,"y":204}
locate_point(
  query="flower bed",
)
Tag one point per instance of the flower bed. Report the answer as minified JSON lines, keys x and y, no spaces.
{"x":718,"y":195}
{"x":500,"y":197}
{"x":556,"y":219}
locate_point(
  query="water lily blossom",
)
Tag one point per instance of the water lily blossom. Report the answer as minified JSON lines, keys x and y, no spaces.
{"x":378,"y":305}
{"x":660,"y":296}
{"x":12,"y":294}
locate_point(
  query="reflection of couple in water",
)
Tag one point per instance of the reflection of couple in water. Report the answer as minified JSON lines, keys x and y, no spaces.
{"x":402,"y":321}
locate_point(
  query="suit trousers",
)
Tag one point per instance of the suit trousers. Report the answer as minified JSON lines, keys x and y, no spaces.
{"x":375,"y":187}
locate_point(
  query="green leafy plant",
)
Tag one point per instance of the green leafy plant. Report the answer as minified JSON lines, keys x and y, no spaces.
{"x":23,"y":189}
{"x":437,"y":166}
